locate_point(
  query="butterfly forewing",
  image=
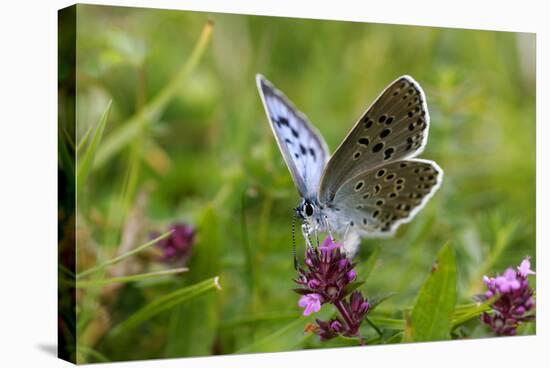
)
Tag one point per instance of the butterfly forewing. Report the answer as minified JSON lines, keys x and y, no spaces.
{"x":304,"y":150}
{"x":378,"y":200}
{"x":393,"y":128}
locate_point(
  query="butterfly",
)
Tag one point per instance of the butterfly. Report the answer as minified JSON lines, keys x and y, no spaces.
{"x":372,"y":183}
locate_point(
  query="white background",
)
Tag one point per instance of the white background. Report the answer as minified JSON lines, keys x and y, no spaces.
{"x":28,"y":183}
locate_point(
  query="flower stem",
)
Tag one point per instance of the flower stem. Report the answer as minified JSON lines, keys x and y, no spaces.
{"x":344,"y":313}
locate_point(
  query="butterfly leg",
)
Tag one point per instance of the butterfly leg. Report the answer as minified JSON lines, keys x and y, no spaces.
{"x":328,"y":228}
{"x":346,"y":231}
{"x":305,"y":233}
{"x":317,"y":237}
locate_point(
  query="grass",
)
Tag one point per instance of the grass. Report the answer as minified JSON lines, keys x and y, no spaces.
{"x":171,"y":129}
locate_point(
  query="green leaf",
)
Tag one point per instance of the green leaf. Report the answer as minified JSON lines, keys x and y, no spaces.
{"x":87,"y":160}
{"x":130,"y":278}
{"x":432,"y":314}
{"x":376,"y":300}
{"x":389,"y":323}
{"x":167,"y":302}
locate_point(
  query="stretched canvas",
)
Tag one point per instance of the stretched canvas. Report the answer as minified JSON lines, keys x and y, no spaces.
{"x":234,"y":184}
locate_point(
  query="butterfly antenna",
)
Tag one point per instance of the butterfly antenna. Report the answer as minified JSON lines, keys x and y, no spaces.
{"x":294,"y":241}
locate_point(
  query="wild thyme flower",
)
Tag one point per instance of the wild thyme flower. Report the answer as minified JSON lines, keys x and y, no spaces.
{"x":311,"y":303}
{"x":515,"y":299}
{"x":328,"y":273}
{"x":353,"y":312}
{"x":327,"y":330}
{"x":326,"y":279}
{"x":177,"y":246}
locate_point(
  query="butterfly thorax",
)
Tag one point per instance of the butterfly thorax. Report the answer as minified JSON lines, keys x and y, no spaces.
{"x":324,"y":217}
{"x":312,"y":214}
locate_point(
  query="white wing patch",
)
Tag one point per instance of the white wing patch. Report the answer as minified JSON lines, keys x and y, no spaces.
{"x":304,"y":150}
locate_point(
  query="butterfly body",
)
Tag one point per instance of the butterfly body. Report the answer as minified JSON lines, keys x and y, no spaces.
{"x":372,"y":183}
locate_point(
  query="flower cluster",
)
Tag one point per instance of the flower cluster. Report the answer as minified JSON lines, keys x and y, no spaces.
{"x":514,"y":299}
{"x":328,"y":278}
{"x":177,"y":246}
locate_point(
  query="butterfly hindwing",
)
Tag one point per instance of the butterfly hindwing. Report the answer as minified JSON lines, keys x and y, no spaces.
{"x":377,"y":201}
{"x":393,"y":128}
{"x":303,"y":148}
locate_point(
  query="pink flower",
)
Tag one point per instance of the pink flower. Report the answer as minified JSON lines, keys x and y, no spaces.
{"x":328,"y":273}
{"x":508,"y":281}
{"x":329,"y":245}
{"x":311,"y":303}
{"x":176,"y":247}
{"x":329,"y":329}
{"x":525,"y":267}
{"x":515,"y":299}
{"x":327,"y":278}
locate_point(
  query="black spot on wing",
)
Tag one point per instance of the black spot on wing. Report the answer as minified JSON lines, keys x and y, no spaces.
{"x":378,"y":147}
{"x":385,"y":133}
{"x":283,"y":121}
{"x":363,"y":141}
{"x":312,"y":153}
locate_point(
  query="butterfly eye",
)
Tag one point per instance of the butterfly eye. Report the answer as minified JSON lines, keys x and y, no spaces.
{"x":309,"y":209}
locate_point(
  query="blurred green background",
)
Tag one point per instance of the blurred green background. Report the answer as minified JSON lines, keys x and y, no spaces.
{"x":188,"y":141}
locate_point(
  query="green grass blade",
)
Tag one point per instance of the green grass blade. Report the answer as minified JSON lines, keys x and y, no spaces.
{"x":68,"y":138}
{"x":395,"y":339}
{"x":85,"y":164}
{"x":390,"y":323}
{"x":166,"y":302}
{"x":130,"y":278}
{"x":464,"y":315}
{"x":377,"y":300}
{"x":83,"y":140}
{"x":122,"y":256}
{"x":133,"y":126}
{"x":431,"y":317}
